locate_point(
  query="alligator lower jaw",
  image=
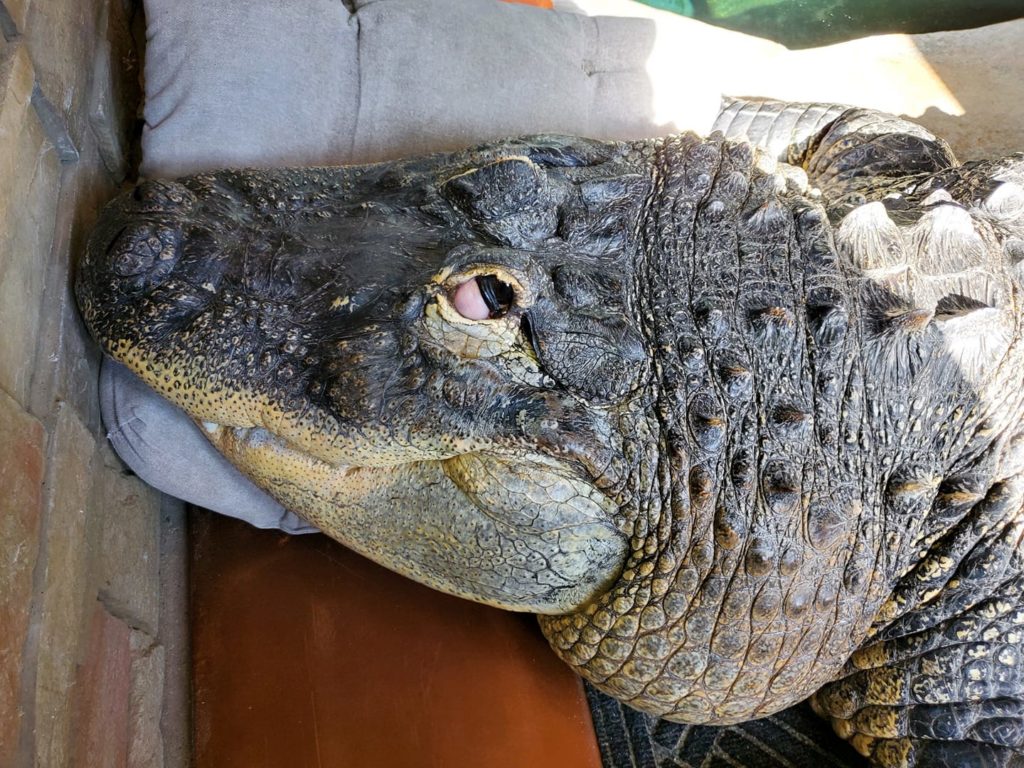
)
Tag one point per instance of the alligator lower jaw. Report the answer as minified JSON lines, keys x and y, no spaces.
{"x":270,"y":459}
{"x":439,"y":522}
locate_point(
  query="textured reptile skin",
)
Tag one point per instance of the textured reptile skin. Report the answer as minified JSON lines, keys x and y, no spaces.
{"x":739,"y":417}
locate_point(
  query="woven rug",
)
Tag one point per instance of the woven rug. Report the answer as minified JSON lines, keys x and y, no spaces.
{"x":795,"y":738}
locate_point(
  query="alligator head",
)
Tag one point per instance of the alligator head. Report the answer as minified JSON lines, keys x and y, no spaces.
{"x":632,"y":387}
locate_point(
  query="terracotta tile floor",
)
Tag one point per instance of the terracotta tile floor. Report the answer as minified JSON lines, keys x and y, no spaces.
{"x":305,"y":654}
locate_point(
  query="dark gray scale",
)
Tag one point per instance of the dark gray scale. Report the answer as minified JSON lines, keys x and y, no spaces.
{"x":664,"y":293}
{"x":744,"y":300}
{"x":993,"y":618}
{"x":600,"y":216}
{"x":943,"y":581}
{"x":706,"y":379}
{"x":979,"y":572}
{"x":831,"y":321}
{"x":931,"y":315}
{"x":591,"y":351}
{"x":863,"y":151}
{"x":784,"y":131}
{"x":975,"y":751}
{"x":774,"y":336}
{"x":511,"y":200}
{"x":713,"y":185}
{"x":935,"y":315}
{"x":937,"y":697}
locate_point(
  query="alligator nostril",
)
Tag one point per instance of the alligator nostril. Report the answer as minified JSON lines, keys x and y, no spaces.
{"x":145,"y":251}
{"x":160,"y":196}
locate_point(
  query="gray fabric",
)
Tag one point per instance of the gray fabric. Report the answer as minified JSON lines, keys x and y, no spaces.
{"x":303,"y":82}
{"x":444,"y":75}
{"x":166,"y":449}
{"x":298,"y":82}
{"x":238,"y":82}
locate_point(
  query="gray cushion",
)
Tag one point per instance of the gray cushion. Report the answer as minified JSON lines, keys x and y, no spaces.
{"x":294,"y":82}
{"x":166,"y":449}
{"x":238,"y":82}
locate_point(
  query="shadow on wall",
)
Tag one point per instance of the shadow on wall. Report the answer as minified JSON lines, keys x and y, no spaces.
{"x":967,"y":85}
{"x":982,"y":69}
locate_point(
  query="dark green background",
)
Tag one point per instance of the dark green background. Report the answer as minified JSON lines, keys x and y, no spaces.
{"x":804,"y":23}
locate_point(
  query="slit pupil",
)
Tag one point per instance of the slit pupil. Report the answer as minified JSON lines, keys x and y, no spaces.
{"x":526,"y":327}
{"x":496,"y":294}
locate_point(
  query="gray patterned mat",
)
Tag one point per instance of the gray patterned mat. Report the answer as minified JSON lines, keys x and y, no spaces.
{"x":795,"y":738}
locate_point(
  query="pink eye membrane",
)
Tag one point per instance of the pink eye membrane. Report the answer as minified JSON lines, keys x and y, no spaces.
{"x":483,"y":297}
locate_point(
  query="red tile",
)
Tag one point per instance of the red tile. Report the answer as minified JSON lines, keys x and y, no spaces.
{"x":21,"y":479}
{"x":103,"y":694}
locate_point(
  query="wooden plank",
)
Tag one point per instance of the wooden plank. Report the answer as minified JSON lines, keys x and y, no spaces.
{"x":305,"y":654}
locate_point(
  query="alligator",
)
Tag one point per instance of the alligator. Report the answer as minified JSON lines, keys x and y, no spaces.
{"x":740,"y":418}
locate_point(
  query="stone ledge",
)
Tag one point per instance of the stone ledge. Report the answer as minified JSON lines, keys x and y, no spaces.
{"x":67,"y":591}
{"x":62,"y":38}
{"x":12,"y":17}
{"x":175,"y":720}
{"x":17,"y":79}
{"x":127,"y":513}
{"x":145,"y":745}
{"x":66,"y":359}
{"x":18,"y":83}
{"x":28,"y":201}
{"x":83,"y":673}
{"x":54,"y":126}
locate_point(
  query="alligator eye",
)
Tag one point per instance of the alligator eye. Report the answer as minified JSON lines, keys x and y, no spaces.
{"x":497,"y":295}
{"x":483,"y":298}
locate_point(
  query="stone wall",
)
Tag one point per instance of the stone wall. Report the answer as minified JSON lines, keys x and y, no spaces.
{"x":92,"y":620}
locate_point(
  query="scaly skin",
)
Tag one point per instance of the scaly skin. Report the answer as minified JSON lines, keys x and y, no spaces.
{"x":738,"y":434}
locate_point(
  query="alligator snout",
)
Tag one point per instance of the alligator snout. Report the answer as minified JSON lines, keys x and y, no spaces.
{"x":141,"y":269}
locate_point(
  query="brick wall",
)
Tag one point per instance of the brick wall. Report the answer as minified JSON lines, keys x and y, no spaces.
{"x":92,"y":648}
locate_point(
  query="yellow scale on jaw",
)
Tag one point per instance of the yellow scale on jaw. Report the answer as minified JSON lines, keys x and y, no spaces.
{"x":315,"y":433}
